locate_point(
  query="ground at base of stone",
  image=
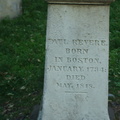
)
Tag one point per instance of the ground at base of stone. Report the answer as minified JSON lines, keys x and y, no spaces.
{"x":114,"y":112}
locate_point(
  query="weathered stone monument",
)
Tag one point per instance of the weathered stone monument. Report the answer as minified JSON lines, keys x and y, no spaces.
{"x":76,"y":66}
{"x":10,"y":8}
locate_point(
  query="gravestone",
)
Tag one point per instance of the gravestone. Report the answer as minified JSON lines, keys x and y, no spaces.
{"x":76,"y":66}
{"x":10,"y":8}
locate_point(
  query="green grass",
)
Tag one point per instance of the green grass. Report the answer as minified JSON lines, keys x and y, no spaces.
{"x":22,"y":44}
{"x":22,"y":51}
{"x":114,"y":70}
{"x":115,"y":25}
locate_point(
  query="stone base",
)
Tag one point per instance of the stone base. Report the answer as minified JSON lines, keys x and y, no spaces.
{"x":110,"y":110}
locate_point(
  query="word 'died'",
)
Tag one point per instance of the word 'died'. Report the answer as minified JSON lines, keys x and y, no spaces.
{"x":75,"y":77}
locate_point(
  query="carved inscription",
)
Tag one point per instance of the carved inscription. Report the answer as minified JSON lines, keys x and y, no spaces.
{"x":79,"y":42}
{"x":58,"y":59}
{"x":83,"y":60}
{"x":65,"y":68}
{"x":58,"y":41}
{"x":89,"y":42}
{"x":75,"y":77}
{"x":77,"y":60}
{"x":77,"y":63}
{"x":76,"y":51}
{"x":76,"y":69}
{"x":75,"y":86}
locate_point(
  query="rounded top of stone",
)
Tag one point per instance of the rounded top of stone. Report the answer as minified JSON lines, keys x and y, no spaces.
{"x":81,"y":1}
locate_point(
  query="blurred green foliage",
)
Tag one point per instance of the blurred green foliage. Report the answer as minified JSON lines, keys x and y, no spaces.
{"x":114,"y":66}
{"x":115,"y":25}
